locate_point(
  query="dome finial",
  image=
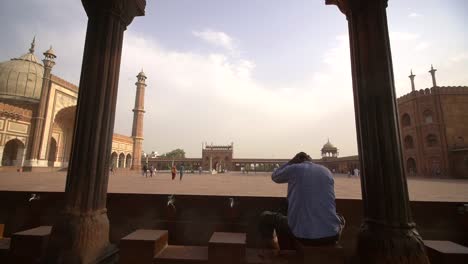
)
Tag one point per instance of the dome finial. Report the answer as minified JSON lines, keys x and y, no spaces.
{"x":141,"y":76}
{"x":33,"y":44}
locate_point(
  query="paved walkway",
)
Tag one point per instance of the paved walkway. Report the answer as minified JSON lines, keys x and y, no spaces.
{"x":232,"y":183}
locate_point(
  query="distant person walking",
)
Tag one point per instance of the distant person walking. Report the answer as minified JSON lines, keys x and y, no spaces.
{"x":112,"y":169}
{"x":145,"y":171}
{"x":199,"y":169}
{"x":173,"y":172}
{"x":151,"y":171}
{"x":181,"y":171}
{"x":356,"y":172}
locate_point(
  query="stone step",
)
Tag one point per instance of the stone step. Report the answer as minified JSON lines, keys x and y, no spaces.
{"x":29,"y":246}
{"x":265,"y":256}
{"x":142,"y":245}
{"x":4,"y":249}
{"x":227,"y":248}
{"x":442,"y":252}
{"x":173,"y":254}
{"x":333,"y":254}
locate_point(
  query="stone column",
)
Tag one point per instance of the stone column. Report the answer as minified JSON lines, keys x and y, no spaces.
{"x":38,"y":120}
{"x":81,"y":232}
{"x":211,"y":164}
{"x":1,"y":154}
{"x":413,"y":88}
{"x":138,"y":112}
{"x":388,"y":233}
{"x":432,"y":72}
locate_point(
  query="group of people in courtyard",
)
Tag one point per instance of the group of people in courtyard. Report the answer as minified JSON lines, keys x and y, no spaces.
{"x":151,"y":170}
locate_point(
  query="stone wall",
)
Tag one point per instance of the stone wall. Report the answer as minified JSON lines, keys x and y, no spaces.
{"x":197,"y":216}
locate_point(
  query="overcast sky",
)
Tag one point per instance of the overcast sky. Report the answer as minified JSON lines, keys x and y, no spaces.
{"x":271,"y":76}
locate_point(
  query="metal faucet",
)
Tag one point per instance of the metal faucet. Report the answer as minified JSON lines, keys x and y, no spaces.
{"x":171,"y":201}
{"x":34,"y":197}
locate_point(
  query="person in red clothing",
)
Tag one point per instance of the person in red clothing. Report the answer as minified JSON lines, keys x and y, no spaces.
{"x":173,"y":171}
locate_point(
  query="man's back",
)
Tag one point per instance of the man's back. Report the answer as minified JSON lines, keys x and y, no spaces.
{"x":311,"y":200}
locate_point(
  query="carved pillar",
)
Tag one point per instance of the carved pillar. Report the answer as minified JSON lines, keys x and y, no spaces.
{"x":81,"y":233}
{"x":138,"y":112}
{"x":388,"y":233}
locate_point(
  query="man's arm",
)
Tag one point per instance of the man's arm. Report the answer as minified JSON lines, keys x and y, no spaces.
{"x":281,"y":175}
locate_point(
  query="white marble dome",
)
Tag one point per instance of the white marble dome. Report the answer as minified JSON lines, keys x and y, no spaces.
{"x":21,"y":78}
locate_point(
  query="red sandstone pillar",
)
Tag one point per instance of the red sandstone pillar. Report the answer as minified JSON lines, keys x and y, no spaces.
{"x":138,"y":112}
{"x":81,"y":233}
{"x":388,"y":234}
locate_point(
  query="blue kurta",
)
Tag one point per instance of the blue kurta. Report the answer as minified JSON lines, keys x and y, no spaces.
{"x":311,"y":199}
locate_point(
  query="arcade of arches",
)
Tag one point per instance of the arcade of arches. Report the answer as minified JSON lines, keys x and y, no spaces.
{"x":121,"y":160}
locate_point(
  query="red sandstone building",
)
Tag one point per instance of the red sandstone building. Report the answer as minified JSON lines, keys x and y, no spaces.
{"x":434,"y":130}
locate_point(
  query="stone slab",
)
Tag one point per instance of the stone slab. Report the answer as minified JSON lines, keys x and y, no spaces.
{"x":4,"y":249}
{"x":28,"y":246}
{"x":142,"y":245}
{"x":228,"y":248}
{"x":333,"y":254}
{"x":446,"y":252}
{"x":173,"y":254}
{"x":228,"y":238}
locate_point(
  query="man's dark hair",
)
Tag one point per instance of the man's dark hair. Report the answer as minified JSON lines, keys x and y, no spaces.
{"x":300,"y":157}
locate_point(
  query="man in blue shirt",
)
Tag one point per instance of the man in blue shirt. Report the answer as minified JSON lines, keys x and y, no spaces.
{"x":312,"y":217}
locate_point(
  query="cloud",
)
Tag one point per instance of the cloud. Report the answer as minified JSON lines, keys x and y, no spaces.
{"x":414,"y":15}
{"x":217,"y":38}
{"x":460,"y":57}
{"x":195,"y":97}
{"x":422,"y":46}
{"x":403,"y":36}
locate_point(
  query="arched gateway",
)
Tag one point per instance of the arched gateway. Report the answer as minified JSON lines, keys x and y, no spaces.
{"x":13,"y":153}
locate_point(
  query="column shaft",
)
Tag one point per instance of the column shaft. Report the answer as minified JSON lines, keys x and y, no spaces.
{"x":388,"y":233}
{"x":81,"y":234}
{"x":38,"y":120}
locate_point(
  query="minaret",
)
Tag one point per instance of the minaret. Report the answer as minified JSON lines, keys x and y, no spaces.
{"x":432,"y":72}
{"x":40,"y":115}
{"x":412,"y":81}
{"x":138,"y":112}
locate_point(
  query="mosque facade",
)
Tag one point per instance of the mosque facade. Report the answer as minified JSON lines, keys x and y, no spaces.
{"x":37,"y":113}
{"x":220,"y":158}
{"x":37,"y":116}
{"x":434,"y":130}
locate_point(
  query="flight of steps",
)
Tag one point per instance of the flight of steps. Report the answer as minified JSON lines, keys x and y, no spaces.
{"x":151,"y":246}
{"x":223,"y":247}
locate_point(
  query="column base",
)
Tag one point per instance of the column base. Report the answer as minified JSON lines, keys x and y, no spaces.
{"x":80,"y":238}
{"x":380,"y":244}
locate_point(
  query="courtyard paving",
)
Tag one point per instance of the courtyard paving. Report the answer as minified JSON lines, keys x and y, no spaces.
{"x":229,"y":184}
